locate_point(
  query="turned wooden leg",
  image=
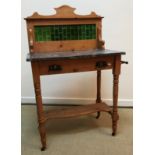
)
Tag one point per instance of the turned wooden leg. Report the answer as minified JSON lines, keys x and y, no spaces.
{"x":40,"y":112}
{"x":41,"y":119}
{"x":116,"y":72}
{"x":115,"y":100}
{"x":98,"y":99}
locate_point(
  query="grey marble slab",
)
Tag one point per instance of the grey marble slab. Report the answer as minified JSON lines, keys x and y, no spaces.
{"x":71,"y":54}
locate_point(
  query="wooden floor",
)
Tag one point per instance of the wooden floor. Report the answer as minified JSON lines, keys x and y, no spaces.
{"x":83,"y":135}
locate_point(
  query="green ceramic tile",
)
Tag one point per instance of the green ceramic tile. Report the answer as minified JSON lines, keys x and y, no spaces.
{"x":65,"y":32}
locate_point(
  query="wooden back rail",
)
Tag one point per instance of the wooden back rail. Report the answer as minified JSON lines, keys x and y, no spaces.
{"x":66,"y":43}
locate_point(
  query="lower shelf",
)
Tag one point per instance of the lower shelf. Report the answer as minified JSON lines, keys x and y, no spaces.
{"x":77,"y":111}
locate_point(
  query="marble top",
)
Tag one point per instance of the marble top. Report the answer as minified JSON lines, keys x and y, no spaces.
{"x":37,"y":56}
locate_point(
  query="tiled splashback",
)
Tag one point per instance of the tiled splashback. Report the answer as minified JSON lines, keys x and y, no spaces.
{"x":65,"y":32}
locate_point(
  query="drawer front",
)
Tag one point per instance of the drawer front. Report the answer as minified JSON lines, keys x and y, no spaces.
{"x":75,"y":65}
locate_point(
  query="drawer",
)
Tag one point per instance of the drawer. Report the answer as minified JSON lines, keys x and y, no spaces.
{"x":75,"y":65}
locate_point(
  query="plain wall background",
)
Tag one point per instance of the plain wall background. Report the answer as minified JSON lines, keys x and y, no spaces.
{"x":80,"y":88}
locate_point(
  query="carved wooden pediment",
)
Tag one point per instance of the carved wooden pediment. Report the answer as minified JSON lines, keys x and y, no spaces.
{"x":64,"y":11}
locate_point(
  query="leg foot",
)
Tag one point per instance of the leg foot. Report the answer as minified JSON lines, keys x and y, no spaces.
{"x":43,"y":148}
{"x":42,"y":132}
{"x":98,"y":115}
{"x":114,"y":127}
{"x":113,"y":134}
{"x":115,"y":118}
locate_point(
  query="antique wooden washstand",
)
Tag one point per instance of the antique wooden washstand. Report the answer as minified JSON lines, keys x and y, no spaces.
{"x":68,"y":43}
